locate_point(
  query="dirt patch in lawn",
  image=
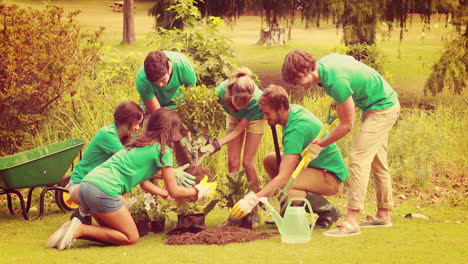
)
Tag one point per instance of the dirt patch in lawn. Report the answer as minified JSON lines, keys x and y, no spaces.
{"x":218,"y":236}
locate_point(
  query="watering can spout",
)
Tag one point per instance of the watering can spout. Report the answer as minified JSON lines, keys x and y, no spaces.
{"x":276,"y":217}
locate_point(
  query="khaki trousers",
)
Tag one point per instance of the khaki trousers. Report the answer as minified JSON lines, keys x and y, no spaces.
{"x":308,"y":180}
{"x":369,"y":153}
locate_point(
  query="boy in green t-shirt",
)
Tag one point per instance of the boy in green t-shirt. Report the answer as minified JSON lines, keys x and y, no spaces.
{"x":324,"y":174}
{"x":159,"y":80}
{"x":101,"y":189}
{"x":353,"y":84}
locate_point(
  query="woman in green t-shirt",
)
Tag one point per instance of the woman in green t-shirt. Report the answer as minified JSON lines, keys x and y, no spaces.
{"x":108,"y":140}
{"x":128,"y":116}
{"x":239,"y":97}
{"x":101,"y":189}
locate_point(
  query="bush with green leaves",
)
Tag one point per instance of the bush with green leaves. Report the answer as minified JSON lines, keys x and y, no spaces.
{"x":202,"y":41}
{"x":202,"y":117}
{"x":43,"y":57}
{"x":451,"y":71}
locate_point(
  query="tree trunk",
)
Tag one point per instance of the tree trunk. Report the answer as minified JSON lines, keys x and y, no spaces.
{"x":128,"y":23}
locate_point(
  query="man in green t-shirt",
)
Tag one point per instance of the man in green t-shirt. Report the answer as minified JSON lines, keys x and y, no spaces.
{"x":324,"y":174}
{"x":159,"y":80}
{"x":353,"y":84}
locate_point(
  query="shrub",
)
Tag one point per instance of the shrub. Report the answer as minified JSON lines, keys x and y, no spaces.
{"x":43,"y":54}
{"x":201,"y":115}
{"x":204,"y":43}
{"x":451,"y":71}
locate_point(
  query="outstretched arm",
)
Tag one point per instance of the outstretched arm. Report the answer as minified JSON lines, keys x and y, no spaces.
{"x":346,"y":114}
{"x":152,"y":104}
{"x":286,"y":169}
{"x":241,"y":126}
{"x":150,"y":187}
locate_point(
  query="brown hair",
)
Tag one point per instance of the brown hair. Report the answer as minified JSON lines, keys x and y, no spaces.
{"x":162,"y":125}
{"x":127,"y":113}
{"x":275,"y":96}
{"x":240,"y":88}
{"x":295,"y":65}
{"x":156,"y":65}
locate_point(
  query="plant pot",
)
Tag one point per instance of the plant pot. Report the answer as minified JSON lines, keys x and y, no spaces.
{"x":157,"y":226}
{"x":143,"y":227}
{"x":192,"y":223}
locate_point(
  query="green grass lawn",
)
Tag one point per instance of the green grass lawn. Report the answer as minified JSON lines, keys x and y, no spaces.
{"x":440,"y":239}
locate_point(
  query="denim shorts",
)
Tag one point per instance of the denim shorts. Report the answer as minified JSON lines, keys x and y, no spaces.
{"x":94,"y":200}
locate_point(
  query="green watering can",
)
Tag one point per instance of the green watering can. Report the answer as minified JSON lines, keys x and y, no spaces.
{"x":294,"y":227}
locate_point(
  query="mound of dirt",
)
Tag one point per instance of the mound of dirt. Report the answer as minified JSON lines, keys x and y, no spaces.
{"x":218,"y":236}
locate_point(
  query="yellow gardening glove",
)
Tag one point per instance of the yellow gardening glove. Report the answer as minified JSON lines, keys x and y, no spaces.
{"x":244,"y":206}
{"x":206,"y":189}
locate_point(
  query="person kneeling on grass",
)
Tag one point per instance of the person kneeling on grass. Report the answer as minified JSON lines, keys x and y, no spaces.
{"x":324,"y":174}
{"x":101,"y":189}
{"x":110,"y":139}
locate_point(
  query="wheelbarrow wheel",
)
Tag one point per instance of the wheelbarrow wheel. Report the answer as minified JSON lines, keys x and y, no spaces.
{"x":63,"y":198}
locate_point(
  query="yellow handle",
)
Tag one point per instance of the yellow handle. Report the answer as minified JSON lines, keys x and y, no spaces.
{"x":305,"y":154}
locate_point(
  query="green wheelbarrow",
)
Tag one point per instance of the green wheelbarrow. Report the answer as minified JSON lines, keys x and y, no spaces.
{"x":40,"y":167}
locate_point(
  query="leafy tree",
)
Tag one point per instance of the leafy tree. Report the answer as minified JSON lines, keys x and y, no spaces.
{"x":451,"y":71}
{"x":43,"y":54}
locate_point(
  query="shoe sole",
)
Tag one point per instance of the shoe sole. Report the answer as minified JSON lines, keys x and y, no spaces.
{"x":375,"y":226}
{"x":350,"y":234}
{"x":67,"y":239}
{"x":53,"y":240}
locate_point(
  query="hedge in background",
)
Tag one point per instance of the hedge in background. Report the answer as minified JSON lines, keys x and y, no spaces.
{"x":43,"y":54}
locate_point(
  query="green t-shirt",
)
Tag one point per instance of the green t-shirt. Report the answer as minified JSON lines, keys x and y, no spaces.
{"x":253,"y":111}
{"x":127,"y":168}
{"x":301,"y":128}
{"x":342,"y":76}
{"x":183,"y":74}
{"x":101,"y":148}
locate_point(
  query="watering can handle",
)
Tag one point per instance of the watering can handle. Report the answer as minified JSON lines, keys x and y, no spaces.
{"x":305,"y":204}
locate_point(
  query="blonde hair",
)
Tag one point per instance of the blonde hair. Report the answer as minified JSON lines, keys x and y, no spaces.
{"x":296,"y":64}
{"x":240,"y":89}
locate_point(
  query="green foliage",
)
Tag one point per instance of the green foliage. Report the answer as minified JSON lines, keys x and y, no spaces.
{"x":43,"y":56}
{"x":203,"y":42}
{"x":163,"y":17}
{"x":92,"y":107}
{"x":200,"y":110}
{"x":145,"y":206}
{"x":451,"y":71}
{"x":233,"y":189}
{"x":202,"y":116}
{"x":370,"y":55}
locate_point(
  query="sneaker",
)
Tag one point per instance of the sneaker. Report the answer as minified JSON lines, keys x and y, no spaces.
{"x":372,"y":221}
{"x":68,"y":238}
{"x":85,"y":219}
{"x":346,"y":229}
{"x":57,"y":235}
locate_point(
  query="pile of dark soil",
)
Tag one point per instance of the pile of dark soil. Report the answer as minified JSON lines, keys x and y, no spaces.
{"x":218,"y":236}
